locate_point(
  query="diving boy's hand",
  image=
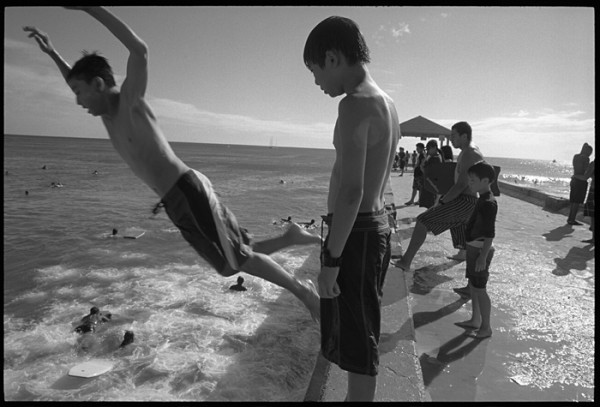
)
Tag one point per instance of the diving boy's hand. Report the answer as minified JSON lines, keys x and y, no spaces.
{"x":328,"y":286}
{"x":41,"y":37}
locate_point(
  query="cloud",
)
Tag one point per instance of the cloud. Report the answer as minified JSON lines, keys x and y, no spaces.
{"x":395,"y":31}
{"x":189,"y":114}
{"x":544,"y":134}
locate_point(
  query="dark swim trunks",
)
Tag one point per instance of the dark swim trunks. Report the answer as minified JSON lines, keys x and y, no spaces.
{"x":206,"y":224}
{"x":350,"y":322}
{"x":578,"y":190}
{"x":478,"y":279}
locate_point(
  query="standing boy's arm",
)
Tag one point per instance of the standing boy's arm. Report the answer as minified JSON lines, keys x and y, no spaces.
{"x":351,"y":143}
{"x":352,"y":127}
{"x":46,"y":46}
{"x":489,"y":212}
{"x":137,"y":64}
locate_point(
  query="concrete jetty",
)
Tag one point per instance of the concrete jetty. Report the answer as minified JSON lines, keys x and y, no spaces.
{"x":403,"y":347}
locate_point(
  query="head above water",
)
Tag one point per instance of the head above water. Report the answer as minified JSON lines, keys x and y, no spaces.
{"x":336,"y":34}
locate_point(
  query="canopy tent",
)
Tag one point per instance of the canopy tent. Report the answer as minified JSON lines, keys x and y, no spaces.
{"x":424,"y":129}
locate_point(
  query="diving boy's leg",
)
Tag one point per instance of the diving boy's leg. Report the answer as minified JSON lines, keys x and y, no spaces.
{"x":261,"y":265}
{"x":294,"y":235}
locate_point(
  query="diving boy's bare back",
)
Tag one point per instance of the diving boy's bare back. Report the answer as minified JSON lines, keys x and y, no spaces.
{"x":129,"y":120}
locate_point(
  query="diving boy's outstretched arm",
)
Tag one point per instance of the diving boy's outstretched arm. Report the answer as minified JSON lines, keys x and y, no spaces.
{"x":137,"y":64}
{"x":46,"y":46}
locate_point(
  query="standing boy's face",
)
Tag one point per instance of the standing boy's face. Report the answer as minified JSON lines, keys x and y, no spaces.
{"x":325,"y":78}
{"x":320,"y":75}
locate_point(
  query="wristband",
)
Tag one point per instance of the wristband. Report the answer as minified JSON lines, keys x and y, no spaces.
{"x":328,"y":261}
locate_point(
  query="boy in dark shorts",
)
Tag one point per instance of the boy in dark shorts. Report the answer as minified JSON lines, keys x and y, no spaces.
{"x":356,"y":253}
{"x":187,"y":195}
{"x":479,"y":236}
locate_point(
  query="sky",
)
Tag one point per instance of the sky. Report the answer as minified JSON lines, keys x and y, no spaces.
{"x":523,"y":77}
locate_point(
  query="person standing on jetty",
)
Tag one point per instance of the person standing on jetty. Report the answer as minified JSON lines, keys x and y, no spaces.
{"x":417,"y":175}
{"x":480,"y":233}
{"x":454,"y":208}
{"x":589,"y":207}
{"x":357,"y":251}
{"x":188,"y":197}
{"x":578,"y":185}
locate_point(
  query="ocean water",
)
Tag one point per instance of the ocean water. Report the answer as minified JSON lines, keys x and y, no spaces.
{"x":194,"y":339}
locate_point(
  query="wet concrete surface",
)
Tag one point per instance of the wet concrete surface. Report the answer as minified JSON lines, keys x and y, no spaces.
{"x":542,"y":288}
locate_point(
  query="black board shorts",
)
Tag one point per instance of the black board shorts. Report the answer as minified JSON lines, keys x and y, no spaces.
{"x":206,"y":224}
{"x":351,"y":322}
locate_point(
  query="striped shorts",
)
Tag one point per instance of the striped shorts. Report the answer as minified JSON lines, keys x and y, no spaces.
{"x":206,"y":224}
{"x":453,"y":215}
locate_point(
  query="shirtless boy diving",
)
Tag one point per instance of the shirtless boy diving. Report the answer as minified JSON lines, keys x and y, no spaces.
{"x":187,"y":195}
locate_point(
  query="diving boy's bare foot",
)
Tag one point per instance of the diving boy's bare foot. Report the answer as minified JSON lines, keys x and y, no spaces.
{"x":298,"y":235}
{"x":311,"y":300}
{"x":481,"y":334}
{"x":467,"y":324}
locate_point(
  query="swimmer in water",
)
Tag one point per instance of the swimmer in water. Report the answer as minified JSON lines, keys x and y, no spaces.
{"x":238,"y":286}
{"x":88,"y":326}
{"x":95,"y":317}
{"x":114,"y":233}
{"x":288,"y":220}
{"x":307,"y":225}
{"x":157,"y":208}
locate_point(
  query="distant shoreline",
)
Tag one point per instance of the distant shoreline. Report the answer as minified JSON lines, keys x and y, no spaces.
{"x":242,"y":145}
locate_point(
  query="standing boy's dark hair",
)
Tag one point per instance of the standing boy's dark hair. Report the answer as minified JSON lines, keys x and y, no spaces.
{"x":336,"y":33}
{"x":483,"y":170}
{"x":91,"y":66}
{"x":463,"y":128}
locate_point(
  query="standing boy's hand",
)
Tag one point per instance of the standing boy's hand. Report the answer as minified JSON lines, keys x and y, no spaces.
{"x":328,"y":286}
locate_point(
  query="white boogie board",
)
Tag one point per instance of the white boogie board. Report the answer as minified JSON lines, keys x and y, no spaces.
{"x":91,"y":368}
{"x":133,"y":233}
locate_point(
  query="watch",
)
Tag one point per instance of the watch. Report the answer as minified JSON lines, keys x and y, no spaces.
{"x":328,"y":261}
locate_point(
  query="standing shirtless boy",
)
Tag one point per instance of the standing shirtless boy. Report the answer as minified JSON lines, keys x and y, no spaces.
{"x":356,"y":252}
{"x":187,"y":195}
